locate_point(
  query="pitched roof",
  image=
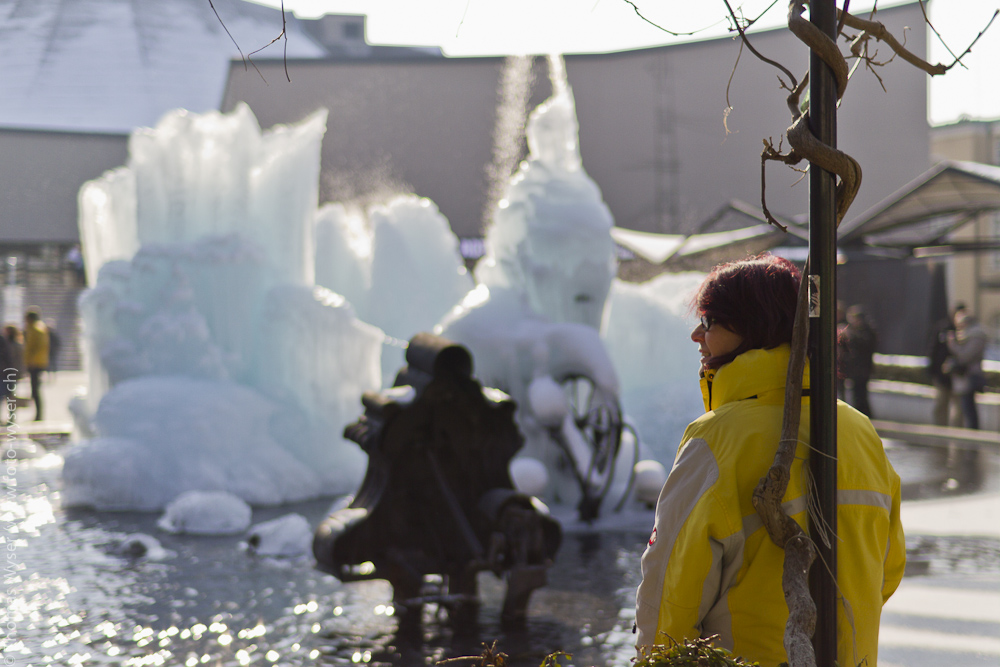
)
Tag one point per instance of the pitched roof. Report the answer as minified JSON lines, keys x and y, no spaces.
{"x":928,"y":208}
{"x":112,"y":65}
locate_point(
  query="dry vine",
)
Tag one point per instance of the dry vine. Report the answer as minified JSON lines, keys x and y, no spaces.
{"x":249,"y":56}
{"x":803,"y":144}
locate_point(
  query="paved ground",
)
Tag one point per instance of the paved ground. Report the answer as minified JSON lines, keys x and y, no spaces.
{"x":951,"y":619}
{"x":57,"y":390}
{"x":934,"y":619}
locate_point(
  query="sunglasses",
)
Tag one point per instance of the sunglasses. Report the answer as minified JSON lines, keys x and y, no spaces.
{"x":707,"y":322}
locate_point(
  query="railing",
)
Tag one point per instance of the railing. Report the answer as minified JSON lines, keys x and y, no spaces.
{"x":937,"y":436}
{"x":42,"y":428}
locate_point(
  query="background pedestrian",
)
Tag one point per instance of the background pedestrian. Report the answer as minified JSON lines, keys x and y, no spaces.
{"x":967,"y":345}
{"x":36,"y":355}
{"x":858,"y":340}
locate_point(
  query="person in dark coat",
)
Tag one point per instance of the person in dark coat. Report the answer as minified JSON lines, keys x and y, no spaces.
{"x":8,"y":382}
{"x":967,"y":345}
{"x":841,"y":374}
{"x":937,"y":356}
{"x":857,"y":343}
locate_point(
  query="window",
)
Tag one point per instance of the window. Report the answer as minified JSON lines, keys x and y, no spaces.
{"x":352,"y":31}
{"x":993,"y":232}
{"x":995,"y":134}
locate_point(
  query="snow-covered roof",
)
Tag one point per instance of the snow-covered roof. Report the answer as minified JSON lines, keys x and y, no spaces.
{"x":113,"y":65}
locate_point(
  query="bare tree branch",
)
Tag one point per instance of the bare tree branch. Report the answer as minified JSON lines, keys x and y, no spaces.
{"x":927,"y":20}
{"x":248,"y":56}
{"x":281,"y":34}
{"x":743,"y":36}
{"x":782,"y":529}
{"x":639,"y":13}
{"x":882,"y":34}
{"x":242,"y":57}
{"x":729,"y":106}
{"x":968,"y":49}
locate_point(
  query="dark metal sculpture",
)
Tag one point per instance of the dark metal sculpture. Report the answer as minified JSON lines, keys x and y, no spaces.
{"x":598,"y":421}
{"x":437,"y":498}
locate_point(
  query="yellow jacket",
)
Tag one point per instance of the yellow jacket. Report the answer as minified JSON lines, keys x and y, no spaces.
{"x":36,"y":346}
{"x":710,"y":567}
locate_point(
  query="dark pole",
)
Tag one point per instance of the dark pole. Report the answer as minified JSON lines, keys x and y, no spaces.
{"x":823,"y":336}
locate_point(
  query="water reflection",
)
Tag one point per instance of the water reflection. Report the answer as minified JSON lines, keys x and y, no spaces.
{"x":74,"y":600}
{"x":936,"y":472}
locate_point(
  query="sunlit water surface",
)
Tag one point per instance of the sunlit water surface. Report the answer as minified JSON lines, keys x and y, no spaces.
{"x":71,"y":599}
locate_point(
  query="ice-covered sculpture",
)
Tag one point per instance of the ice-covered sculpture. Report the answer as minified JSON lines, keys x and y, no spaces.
{"x":535,"y":315}
{"x":215,"y":362}
{"x":550,"y":241}
{"x":231,"y":325}
{"x":398,"y":263}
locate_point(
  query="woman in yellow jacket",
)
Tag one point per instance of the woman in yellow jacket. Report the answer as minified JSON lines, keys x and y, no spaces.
{"x":710,"y":567}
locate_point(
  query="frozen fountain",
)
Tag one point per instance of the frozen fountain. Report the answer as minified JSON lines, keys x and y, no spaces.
{"x":216,"y":363}
{"x":232,"y":323}
{"x":231,"y":327}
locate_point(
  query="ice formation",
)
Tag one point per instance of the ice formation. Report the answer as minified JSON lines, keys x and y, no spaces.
{"x":398,"y":263}
{"x":550,"y":241}
{"x":533,"y":320}
{"x":232,"y":325}
{"x":548,"y":310}
{"x":215,"y":362}
{"x":206,"y":513}
{"x":288,"y":536}
{"x":140,"y":545}
{"x":647,"y":334}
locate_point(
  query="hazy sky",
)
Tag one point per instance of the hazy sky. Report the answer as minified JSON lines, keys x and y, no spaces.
{"x":501,"y":27}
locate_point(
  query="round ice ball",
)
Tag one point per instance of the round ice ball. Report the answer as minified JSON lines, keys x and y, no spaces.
{"x":289,"y":535}
{"x":529,"y":476}
{"x":548,"y":401}
{"x":649,"y":478}
{"x":140,"y":545}
{"x":206,"y":513}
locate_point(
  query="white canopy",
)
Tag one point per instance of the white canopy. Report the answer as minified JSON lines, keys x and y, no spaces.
{"x":929,"y":208}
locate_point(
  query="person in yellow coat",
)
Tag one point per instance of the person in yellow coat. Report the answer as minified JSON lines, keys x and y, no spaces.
{"x":36,"y":355}
{"x":710,"y":568}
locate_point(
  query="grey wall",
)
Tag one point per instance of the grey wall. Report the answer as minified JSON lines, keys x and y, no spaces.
{"x":423,"y":125}
{"x":619,"y":98}
{"x":651,"y":124}
{"x":40,"y":175}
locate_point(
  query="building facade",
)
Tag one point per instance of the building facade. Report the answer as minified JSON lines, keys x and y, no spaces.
{"x":973,"y":278}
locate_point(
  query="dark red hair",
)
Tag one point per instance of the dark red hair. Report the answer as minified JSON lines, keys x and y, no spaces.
{"x":754,"y":298}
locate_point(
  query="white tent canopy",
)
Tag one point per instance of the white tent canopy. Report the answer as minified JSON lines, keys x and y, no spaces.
{"x":737,"y":230}
{"x":929,"y":208}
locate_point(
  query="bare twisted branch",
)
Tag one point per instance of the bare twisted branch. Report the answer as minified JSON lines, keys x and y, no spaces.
{"x":804,"y":145}
{"x":782,"y":529}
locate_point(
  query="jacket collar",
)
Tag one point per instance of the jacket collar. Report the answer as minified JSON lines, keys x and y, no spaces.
{"x":757,"y":374}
